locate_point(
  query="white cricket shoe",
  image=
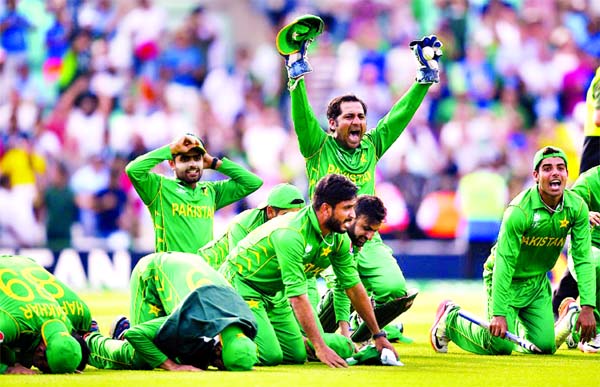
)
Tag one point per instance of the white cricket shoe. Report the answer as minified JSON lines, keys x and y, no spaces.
{"x":567,"y":313}
{"x":439,"y":339}
{"x":592,"y":346}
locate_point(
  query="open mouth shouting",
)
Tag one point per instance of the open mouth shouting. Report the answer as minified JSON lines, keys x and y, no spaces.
{"x":555,"y":184}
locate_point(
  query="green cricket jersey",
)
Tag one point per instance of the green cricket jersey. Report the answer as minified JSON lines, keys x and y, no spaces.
{"x":531,"y":240}
{"x":160,"y":281}
{"x":324,"y":155}
{"x":24,"y":308}
{"x":183,"y":216}
{"x":587,"y":186}
{"x":216,"y":251}
{"x":75,"y":308}
{"x":285,"y":251}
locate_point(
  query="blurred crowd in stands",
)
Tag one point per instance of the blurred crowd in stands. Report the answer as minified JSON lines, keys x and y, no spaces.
{"x":87,"y":85}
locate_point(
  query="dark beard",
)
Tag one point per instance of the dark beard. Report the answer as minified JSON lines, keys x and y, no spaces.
{"x":334,"y":225}
{"x":183,"y":177}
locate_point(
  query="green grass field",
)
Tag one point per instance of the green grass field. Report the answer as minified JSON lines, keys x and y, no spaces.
{"x":423,"y":367}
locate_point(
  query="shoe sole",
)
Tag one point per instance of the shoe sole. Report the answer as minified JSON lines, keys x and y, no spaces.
{"x":115,"y":323}
{"x":442,"y":308}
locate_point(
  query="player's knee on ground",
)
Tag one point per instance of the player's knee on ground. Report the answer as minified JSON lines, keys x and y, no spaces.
{"x":270,"y":357}
{"x":546,"y":344}
{"x":295,"y":355}
{"x":499,"y":346}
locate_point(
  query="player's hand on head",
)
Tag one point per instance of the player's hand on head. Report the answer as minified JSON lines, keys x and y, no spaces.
{"x":428,"y":52}
{"x":184,"y":143}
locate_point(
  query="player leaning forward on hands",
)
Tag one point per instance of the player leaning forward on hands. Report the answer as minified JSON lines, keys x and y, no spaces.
{"x":183,"y":208}
{"x":532,"y":235}
{"x":271,"y":268}
{"x":348,"y":148}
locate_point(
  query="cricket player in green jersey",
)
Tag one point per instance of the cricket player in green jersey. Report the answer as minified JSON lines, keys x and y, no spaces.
{"x":532,"y":235}
{"x":212,"y":326}
{"x":587,"y":186}
{"x":282,"y":199}
{"x":272,"y":266}
{"x":74,"y":307}
{"x":35,"y":330}
{"x":348,"y":148}
{"x":183,"y":208}
{"x":590,"y":157}
{"x":160,"y":281}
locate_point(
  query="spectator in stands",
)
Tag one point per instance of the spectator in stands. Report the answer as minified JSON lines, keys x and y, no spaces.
{"x":59,"y":208}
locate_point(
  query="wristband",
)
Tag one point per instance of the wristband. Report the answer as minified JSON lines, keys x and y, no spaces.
{"x":379,"y":334}
{"x":213,"y":165}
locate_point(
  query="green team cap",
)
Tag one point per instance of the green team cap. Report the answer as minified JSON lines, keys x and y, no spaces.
{"x":290,"y":38}
{"x":284,"y":196}
{"x":63,"y":352}
{"x":541,"y":155}
{"x":239,"y":351}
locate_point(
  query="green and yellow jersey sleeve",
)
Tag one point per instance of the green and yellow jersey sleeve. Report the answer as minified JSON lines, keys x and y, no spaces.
{"x":141,"y":337}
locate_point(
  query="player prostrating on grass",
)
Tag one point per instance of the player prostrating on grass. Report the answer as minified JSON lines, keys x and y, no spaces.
{"x":587,"y":186}
{"x":348,"y":148}
{"x":282,"y":199}
{"x":34,"y":329}
{"x":160,"y":281}
{"x":74,"y":307}
{"x":271,"y":267}
{"x":182,"y":209}
{"x":532,"y":235}
{"x":212,"y":326}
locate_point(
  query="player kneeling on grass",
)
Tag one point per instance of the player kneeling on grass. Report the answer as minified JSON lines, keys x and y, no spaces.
{"x":587,"y":186}
{"x":533,"y":233}
{"x":211,"y":327}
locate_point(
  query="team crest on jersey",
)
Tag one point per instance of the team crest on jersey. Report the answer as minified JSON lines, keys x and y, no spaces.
{"x":308,"y":249}
{"x":536,"y":219}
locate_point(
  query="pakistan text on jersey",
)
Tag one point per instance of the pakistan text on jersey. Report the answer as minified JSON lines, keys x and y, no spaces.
{"x":189,"y":210}
{"x":543,"y":241}
{"x":358,"y":179}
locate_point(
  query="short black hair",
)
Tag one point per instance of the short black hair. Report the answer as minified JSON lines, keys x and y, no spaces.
{"x":371,"y":207}
{"x":334,"y":109}
{"x":333,"y":189}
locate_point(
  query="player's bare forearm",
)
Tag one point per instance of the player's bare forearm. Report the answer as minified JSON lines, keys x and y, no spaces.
{"x":362,"y":304}
{"x":586,"y":323}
